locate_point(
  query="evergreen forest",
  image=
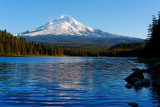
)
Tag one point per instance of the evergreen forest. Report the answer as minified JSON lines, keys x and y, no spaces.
{"x":14,"y":46}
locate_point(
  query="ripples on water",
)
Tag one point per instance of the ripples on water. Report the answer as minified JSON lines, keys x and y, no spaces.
{"x":69,"y":81}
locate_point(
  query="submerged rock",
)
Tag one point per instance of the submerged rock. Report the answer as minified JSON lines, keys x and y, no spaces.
{"x":128,"y":85}
{"x":138,"y":83}
{"x":133,"y":104}
{"x":145,"y":82}
{"x":133,"y":80}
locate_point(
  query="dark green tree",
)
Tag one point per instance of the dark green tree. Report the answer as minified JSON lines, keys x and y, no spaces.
{"x":152,"y":48}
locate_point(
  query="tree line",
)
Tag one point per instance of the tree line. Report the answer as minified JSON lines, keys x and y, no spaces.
{"x":14,"y":46}
{"x":124,"y":50}
{"x":152,"y":48}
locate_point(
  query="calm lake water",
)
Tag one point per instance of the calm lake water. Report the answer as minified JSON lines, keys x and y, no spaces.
{"x":71,"y":81}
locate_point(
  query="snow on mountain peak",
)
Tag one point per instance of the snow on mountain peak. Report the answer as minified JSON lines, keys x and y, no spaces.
{"x":64,"y":25}
{"x":66,"y":17}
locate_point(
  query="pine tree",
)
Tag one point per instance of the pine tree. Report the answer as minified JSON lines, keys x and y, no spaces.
{"x":152,"y":48}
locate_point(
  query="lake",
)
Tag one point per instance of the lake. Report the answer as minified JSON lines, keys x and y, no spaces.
{"x":71,"y":81}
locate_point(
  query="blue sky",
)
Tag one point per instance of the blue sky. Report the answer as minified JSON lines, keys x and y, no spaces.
{"x":123,"y":17}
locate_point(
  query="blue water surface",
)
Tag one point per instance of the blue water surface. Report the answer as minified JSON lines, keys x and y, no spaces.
{"x":71,"y":81}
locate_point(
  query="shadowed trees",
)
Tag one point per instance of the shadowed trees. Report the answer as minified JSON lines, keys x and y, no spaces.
{"x":152,"y":48}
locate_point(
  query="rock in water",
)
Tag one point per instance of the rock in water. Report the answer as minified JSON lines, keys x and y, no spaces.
{"x":133,"y":80}
{"x":128,"y":85}
{"x":133,"y":104}
{"x":136,"y":74}
{"x":145,"y":82}
{"x":138,"y":83}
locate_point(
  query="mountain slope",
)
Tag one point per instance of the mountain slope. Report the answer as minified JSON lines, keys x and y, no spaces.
{"x":67,"y":29}
{"x":66,"y":25}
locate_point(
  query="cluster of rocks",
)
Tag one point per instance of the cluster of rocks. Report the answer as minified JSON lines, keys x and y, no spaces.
{"x":136,"y":79}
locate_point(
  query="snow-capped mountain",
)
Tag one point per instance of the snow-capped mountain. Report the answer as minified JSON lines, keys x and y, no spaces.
{"x":66,"y":25}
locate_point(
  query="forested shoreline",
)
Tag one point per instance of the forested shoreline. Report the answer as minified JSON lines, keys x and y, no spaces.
{"x":14,"y":46}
